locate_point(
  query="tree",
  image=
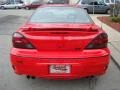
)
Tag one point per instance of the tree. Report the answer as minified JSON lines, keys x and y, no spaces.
{"x":115,"y":9}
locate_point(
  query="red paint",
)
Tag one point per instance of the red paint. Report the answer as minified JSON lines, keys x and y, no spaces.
{"x":31,"y":6}
{"x":60,"y":44}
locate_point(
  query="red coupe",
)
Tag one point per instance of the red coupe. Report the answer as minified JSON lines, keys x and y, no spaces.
{"x":60,"y":42}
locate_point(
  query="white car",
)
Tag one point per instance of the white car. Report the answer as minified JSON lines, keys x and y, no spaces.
{"x":11,"y":6}
{"x":108,"y":2}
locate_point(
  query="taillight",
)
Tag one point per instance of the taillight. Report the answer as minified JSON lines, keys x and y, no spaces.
{"x":99,"y":42}
{"x":19,"y":41}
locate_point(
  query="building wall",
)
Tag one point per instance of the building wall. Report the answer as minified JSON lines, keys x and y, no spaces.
{"x":46,"y":0}
{"x":73,"y":1}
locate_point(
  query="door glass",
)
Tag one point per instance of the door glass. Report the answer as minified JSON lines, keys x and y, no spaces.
{"x":96,"y":3}
{"x":93,"y":3}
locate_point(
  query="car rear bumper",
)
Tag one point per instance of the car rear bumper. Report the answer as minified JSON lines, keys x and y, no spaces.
{"x":39,"y":67}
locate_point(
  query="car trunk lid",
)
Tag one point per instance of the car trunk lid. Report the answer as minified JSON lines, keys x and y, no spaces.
{"x":60,"y":37}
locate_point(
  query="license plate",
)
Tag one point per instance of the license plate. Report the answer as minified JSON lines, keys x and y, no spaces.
{"x":60,"y":69}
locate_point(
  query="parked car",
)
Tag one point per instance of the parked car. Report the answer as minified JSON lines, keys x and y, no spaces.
{"x":109,"y":2}
{"x":60,"y":42}
{"x":2,"y":2}
{"x":96,"y":6}
{"x":30,"y":4}
{"x":58,"y":1}
{"x":16,"y":5}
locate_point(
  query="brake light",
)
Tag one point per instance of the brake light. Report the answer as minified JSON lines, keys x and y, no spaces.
{"x":19,"y":41}
{"x":99,"y":42}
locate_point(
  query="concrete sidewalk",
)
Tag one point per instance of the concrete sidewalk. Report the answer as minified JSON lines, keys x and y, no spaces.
{"x":114,"y":39}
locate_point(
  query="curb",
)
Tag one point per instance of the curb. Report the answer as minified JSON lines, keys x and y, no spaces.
{"x":115,"y":55}
{"x":115,"y":61}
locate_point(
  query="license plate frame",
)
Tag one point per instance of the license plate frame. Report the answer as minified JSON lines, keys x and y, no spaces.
{"x":60,"y":69}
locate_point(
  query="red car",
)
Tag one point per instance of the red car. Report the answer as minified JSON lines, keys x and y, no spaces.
{"x":28,"y":7}
{"x":60,"y":42}
{"x":32,"y":4}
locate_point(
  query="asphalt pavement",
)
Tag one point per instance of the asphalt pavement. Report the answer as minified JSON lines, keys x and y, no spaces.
{"x":114,"y":39}
{"x":10,"y":20}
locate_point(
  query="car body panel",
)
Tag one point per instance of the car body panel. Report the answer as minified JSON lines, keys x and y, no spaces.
{"x":59,"y":54}
{"x":31,"y":6}
{"x":59,"y":36}
{"x":81,"y":67}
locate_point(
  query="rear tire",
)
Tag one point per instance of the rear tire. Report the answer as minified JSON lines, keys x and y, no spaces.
{"x":2,"y":7}
{"x":17,"y":8}
{"x":108,"y":11}
{"x":86,"y":10}
{"x":27,"y":8}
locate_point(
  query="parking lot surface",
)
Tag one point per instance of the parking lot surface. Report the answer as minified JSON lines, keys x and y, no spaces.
{"x":10,"y":20}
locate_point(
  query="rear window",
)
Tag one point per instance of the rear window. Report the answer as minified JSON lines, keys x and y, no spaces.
{"x":60,"y":15}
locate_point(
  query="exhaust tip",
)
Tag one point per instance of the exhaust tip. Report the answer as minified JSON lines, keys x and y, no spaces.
{"x":28,"y":77}
{"x":33,"y":77}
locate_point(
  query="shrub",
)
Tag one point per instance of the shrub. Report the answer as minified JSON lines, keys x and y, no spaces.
{"x":115,"y":19}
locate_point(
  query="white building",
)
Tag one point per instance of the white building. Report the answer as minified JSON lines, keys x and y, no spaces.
{"x":74,"y":1}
